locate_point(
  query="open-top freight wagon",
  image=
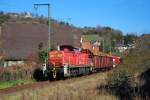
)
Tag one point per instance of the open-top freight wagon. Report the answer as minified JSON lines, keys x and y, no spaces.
{"x":65,"y":63}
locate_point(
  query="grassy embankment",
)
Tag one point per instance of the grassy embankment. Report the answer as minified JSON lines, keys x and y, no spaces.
{"x":82,"y":88}
{"x":8,"y":84}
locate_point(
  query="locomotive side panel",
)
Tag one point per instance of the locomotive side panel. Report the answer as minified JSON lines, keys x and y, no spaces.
{"x":69,"y":63}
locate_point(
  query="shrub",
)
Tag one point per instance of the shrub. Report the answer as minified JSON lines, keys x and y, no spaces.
{"x":3,"y":18}
{"x":118,"y":78}
{"x":22,"y":72}
{"x":43,"y":56}
{"x":119,"y":84}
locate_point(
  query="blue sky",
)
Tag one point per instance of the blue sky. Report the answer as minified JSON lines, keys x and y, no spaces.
{"x":125,"y":15}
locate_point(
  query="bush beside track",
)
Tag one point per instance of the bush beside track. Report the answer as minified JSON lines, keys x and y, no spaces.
{"x":18,"y":72}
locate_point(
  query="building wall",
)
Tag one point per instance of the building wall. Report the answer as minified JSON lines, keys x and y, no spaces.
{"x":95,"y":50}
{"x":87,"y":45}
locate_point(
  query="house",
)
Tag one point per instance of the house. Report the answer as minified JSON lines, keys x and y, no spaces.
{"x":122,"y":48}
{"x":91,"y":42}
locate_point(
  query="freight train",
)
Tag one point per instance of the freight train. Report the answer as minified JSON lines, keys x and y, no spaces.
{"x":66,"y":63}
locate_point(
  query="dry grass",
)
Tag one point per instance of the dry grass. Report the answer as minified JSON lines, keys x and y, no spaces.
{"x":83,"y":88}
{"x":18,"y":72}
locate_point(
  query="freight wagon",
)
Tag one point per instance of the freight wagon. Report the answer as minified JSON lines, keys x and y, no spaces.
{"x":102,"y":62}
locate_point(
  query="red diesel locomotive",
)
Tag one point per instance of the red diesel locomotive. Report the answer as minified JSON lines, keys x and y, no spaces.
{"x":65,"y":63}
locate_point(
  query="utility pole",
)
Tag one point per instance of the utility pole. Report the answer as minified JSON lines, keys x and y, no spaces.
{"x":49,"y":26}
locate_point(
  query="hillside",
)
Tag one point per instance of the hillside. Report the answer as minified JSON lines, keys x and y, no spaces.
{"x":28,"y":34}
{"x":21,"y":37}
